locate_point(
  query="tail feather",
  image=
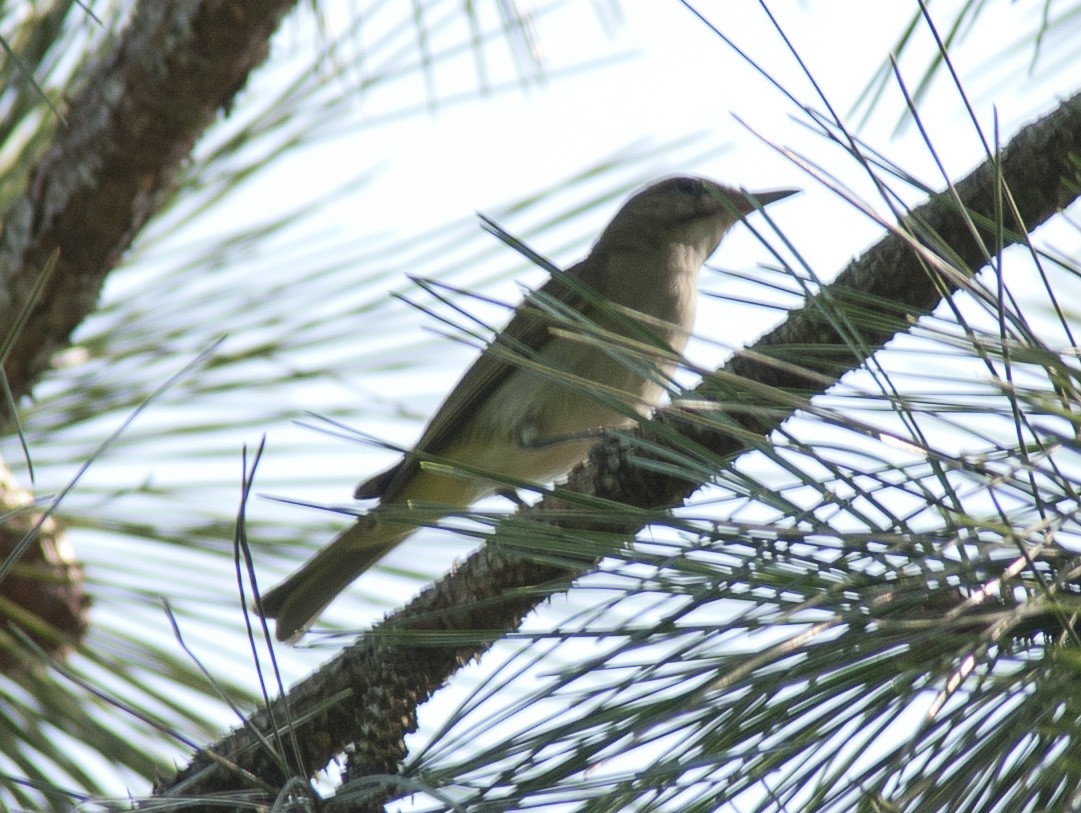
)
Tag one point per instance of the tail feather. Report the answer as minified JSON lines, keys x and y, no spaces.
{"x":300,"y":599}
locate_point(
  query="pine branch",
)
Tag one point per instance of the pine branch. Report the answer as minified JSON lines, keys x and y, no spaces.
{"x":367,"y":696}
{"x":128,"y":131}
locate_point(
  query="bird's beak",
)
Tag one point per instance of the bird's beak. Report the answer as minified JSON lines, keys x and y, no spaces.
{"x":753,"y":201}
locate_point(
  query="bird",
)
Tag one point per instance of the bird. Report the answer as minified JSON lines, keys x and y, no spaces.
{"x":537,"y":398}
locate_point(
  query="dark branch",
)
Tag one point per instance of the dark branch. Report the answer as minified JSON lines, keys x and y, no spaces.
{"x":129,"y":129}
{"x":375,"y":686}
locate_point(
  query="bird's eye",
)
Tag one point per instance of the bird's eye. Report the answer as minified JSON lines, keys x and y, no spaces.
{"x":689,"y":186}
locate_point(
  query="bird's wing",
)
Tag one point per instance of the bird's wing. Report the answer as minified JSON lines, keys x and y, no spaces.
{"x":526,"y":333}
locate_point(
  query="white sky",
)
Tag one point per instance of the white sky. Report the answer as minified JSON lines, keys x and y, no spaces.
{"x":679,"y":79}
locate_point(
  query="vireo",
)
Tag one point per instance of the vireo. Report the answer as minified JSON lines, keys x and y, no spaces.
{"x":534,"y":402}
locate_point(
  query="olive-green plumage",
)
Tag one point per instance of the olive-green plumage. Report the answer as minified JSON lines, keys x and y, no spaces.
{"x":534,"y":419}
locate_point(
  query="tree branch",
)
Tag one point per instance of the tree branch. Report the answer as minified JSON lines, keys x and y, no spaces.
{"x":367,"y":696}
{"x":128,"y":131}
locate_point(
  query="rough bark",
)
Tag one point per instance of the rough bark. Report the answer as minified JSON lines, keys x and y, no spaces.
{"x":128,"y":129}
{"x":130,"y":124}
{"x":368,"y":695}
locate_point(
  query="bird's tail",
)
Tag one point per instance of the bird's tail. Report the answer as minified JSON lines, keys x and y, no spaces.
{"x":301,"y":598}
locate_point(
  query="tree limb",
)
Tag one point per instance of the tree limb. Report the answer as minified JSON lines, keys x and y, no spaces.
{"x":129,"y":129}
{"x":367,"y":696}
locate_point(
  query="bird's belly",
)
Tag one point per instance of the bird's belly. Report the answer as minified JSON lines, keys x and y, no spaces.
{"x":541,"y":422}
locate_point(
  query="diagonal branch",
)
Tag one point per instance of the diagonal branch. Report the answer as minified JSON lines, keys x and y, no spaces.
{"x":368,"y":695}
{"x":128,"y":131}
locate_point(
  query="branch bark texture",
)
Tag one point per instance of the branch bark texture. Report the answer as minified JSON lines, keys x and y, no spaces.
{"x":368,"y":695}
{"x":114,"y":162}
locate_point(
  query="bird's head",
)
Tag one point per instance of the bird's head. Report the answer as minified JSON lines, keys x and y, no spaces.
{"x":694,"y":212}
